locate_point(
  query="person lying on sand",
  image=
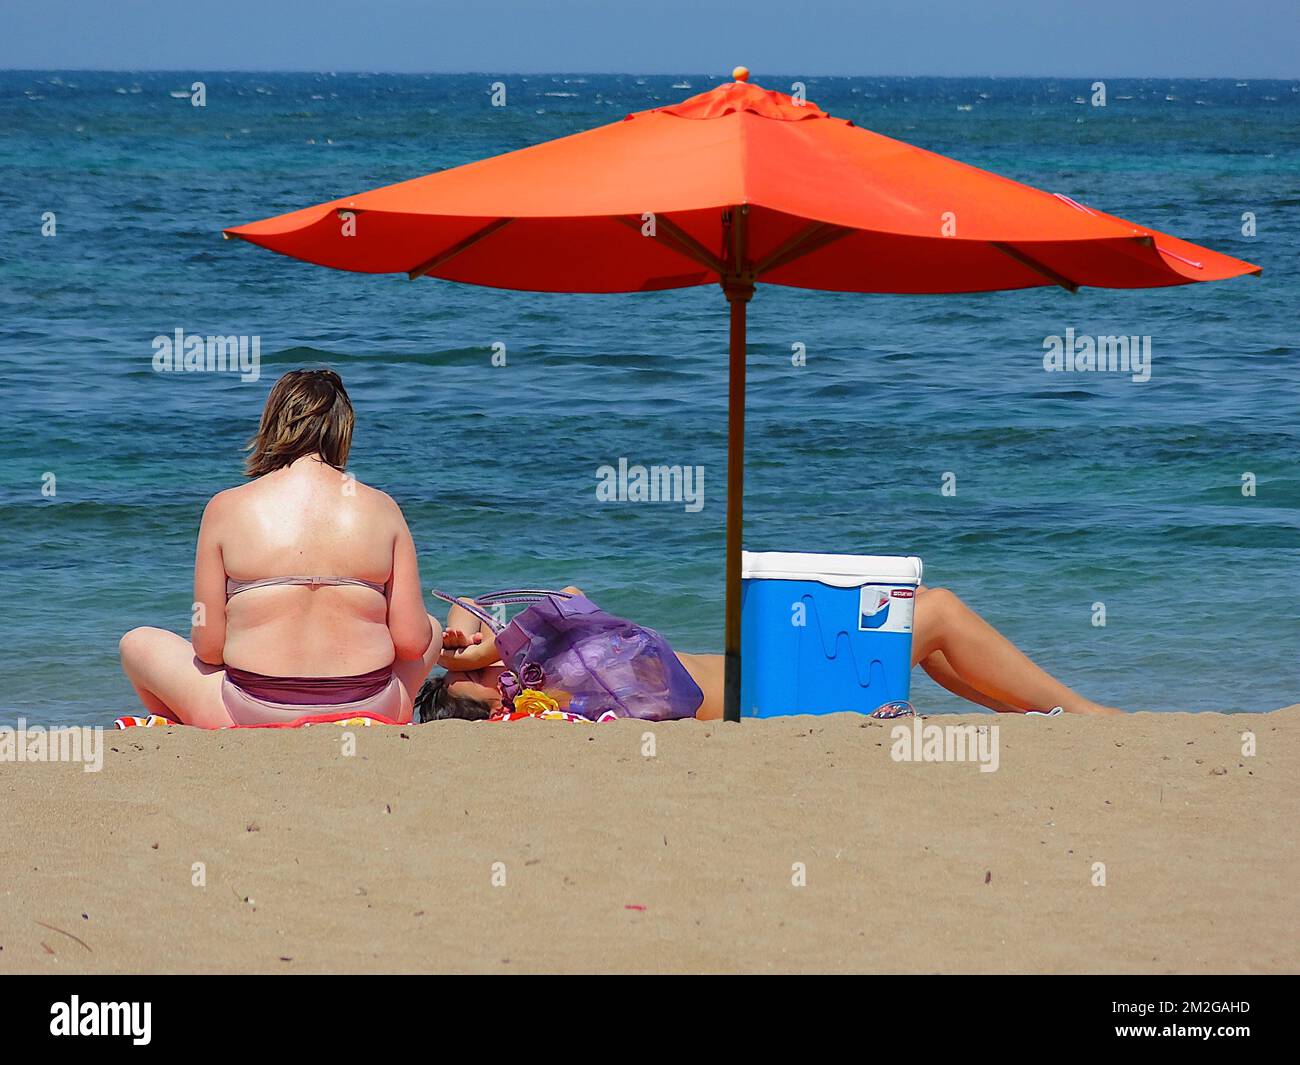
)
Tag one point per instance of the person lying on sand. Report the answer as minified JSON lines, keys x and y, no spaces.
{"x":952,"y":643}
{"x":307,"y":595}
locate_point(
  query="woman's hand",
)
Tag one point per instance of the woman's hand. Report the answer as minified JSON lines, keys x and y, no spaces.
{"x":466,"y":651}
{"x":454,"y":644}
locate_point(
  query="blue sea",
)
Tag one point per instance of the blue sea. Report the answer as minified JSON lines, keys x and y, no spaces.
{"x":1071,"y":489}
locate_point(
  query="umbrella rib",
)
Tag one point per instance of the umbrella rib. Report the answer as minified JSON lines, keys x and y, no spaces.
{"x":805,"y":242}
{"x":681,"y":241}
{"x":461,"y":245}
{"x":1012,"y":252}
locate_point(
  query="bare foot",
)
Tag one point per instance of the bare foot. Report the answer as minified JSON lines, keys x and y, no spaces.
{"x":1095,"y":709}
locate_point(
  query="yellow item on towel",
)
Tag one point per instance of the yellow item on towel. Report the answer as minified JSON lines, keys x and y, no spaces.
{"x":531,"y":701}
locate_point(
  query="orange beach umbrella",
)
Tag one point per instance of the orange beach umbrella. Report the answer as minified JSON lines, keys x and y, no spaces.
{"x":734,"y":186}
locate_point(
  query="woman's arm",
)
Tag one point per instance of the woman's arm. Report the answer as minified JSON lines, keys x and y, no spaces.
{"x":208,"y":620}
{"x":408,"y":621}
{"x":468,"y":643}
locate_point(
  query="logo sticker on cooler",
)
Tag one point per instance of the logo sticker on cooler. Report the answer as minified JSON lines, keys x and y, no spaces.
{"x":885,"y":608}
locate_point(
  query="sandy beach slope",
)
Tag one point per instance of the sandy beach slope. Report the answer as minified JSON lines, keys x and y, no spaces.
{"x":680,"y":862}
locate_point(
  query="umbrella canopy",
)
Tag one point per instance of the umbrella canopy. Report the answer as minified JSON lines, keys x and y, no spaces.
{"x":831,"y":206}
{"x":733,"y":186}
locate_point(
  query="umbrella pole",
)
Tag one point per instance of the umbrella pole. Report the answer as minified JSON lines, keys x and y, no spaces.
{"x":738,"y":286}
{"x":738,"y":297}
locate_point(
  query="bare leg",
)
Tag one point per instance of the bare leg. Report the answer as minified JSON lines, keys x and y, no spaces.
{"x":941,"y":671}
{"x":980,"y":657}
{"x":411,"y":673}
{"x":171,"y":681}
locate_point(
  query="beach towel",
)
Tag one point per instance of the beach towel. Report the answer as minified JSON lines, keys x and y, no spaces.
{"x":347,"y":721}
{"x":352,"y":720}
{"x":553,"y":715}
{"x":141,"y":721}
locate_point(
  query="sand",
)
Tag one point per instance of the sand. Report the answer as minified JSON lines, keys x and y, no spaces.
{"x":315,"y":861}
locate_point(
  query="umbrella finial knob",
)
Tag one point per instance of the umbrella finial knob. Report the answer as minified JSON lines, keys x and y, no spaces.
{"x":740,"y":74}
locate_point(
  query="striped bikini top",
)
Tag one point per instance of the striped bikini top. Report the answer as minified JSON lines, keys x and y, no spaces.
{"x":234,"y":587}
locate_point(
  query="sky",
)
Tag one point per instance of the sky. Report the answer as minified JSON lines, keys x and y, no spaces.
{"x":1064,"y":38}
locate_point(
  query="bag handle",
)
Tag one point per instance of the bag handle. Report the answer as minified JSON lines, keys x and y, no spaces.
{"x":521,"y":595}
{"x":470,"y":605}
{"x":511,"y":595}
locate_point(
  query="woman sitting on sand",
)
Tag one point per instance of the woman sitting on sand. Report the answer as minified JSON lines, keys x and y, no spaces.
{"x":307,"y":595}
{"x":952,"y":643}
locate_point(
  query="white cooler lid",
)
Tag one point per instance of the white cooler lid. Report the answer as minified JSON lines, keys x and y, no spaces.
{"x":842,"y":571}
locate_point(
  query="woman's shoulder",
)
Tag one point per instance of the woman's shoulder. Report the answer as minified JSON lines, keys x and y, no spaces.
{"x":374,"y":497}
{"x":225,"y":500}
{"x":374,"y":503}
{"x":353,"y":494}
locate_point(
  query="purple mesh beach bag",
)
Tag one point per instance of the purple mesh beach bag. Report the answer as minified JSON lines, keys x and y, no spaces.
{"x":591,"y":662}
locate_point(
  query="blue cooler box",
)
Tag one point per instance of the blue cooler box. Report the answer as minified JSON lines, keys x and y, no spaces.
{"x":824,"y":633}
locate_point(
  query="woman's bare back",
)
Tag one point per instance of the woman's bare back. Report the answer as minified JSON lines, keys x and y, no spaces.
{"x":305,"y":520}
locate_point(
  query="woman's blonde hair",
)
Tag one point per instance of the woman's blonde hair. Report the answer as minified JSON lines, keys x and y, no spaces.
{"x":307,"y":413}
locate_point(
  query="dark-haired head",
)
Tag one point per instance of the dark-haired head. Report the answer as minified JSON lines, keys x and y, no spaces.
{"x":437,"y":702}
